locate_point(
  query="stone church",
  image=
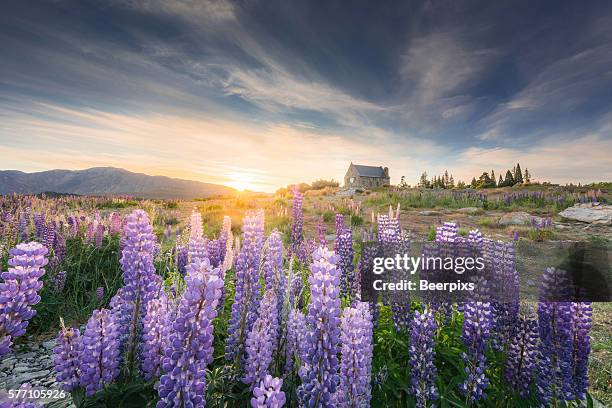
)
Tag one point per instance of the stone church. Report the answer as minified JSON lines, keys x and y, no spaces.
{"x":358,"y":176}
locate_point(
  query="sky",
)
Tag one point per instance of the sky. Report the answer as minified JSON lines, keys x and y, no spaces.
{"x":261,"y":94}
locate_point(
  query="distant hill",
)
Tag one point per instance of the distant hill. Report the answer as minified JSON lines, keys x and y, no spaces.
{"x":106,"y":180}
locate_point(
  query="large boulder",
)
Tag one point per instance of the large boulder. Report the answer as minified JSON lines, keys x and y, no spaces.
{"x":470,"y":210}
{"x":600,"y":214}
{"x":518,"y":218}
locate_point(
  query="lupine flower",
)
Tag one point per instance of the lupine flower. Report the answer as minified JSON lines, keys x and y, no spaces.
{"x":59,"y":281}
{"x":19,"y":291}
{"x":99,"y":293}
{"x":344,"y":250}
{"x":100,"y":356}
{"x":554,"y":377}
{"x":321,"y":232}
{"x":422,"y":356}
{"x":522,"y":353}
{"x":182,"y":258}
{"x":296,"y":334}
{"x":274,"y":276}
{"x":319,"y":369}
{"x":225,"y":236}
{"x":154,"y":340}
{"x":448,"y":232}
{"x":297,"y":237}
{"x":268,"y":394}
{"x":67,"y":357}
{"x":189,"y":349}
{"x":262,"y":341}
{"x":195,"y":225}
{"x":476,"y":331}
{"x":141,"y":282}
{"x":581,"y":326}
{"x":99,"y":235}
{"x":356,"y":359}
{"x":246,"y":297}
{"x":198,"y":249}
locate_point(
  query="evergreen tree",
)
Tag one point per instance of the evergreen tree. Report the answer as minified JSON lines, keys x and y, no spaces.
{"x":423,"y":182}
{"x":509,"y":181}
{"x":527,"y":176}
{"x":500,"y":183}
{"x":446,"y":180}
{"x":451,"y":182}
{"x":518,"y":174}
{"x":493,"y":178}
{"x":473,"y":185}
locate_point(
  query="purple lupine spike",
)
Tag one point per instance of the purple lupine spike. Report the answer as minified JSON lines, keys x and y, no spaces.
{"x":356,"y":357}
{"x":195,"y":225}
{"x":141,"y":282}
{"x":476,"y":331}
{"x":339,"y":225}
{"x":224,"y":236}
{"x":262,"y":341}
{"x":214,"y":252}
{"x":319,"y":365}
{"x":522,"y":353}
{"x":246,"y":297}
{"x":296,"y":334}
{"x":582,"y":313}
{"x":297,"y":237}
{"x":274,"y":276}
{"x":198,"y":249}
{"x":554,"y":376}
{"x":59,"y":281}
{"x":421,"y":358}
{"x":115,"y":223}
{"x":49,"y":235}
{"x":321,"y":232}
{"x":190,"y":346}
{"x":100,"y":356}
{"x":154,"y":340}
{"x":67,"y":357}
{"x":344,"y":250}
{"x":99,"y":235}
{"x":19,"y":291}
{"x":268,"y":393}
{"x":100,"y":293}
{"x":181,"y":258}
{"x":448,"y":232}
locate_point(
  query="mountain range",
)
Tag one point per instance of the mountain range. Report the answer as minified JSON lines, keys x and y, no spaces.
{"x":104,"y":181}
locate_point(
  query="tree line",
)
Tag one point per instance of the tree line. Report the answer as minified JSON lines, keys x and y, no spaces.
{"x":485,"y":180}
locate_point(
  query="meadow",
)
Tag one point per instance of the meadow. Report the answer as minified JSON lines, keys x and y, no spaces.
{"x":253,"y":300}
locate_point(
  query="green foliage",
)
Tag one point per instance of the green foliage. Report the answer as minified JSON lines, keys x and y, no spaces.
{"x":87,"y":268}
{"x":328,"y":216}
{"x":356,"y":220}
{"x":321,"y":184}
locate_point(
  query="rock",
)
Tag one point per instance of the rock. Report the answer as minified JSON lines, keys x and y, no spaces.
{"x":518,"y":218}
{"x":28,"y":377}
{"x":470,"y":210}
{"x":49,"y":344}
{"x":428,"y":213}
{"x":600,"y":215}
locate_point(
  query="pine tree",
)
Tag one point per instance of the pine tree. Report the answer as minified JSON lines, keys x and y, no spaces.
{"x":500,"y":183}
{"x":423,"y":182}
{"x":509,"y":181}
{"x":518,"y":174}
{"x":446,"y":181}
{"x":527,"y":176}
{"x":493,"y":178}
{"x":451,"y":182}
{"x":473,"y":184}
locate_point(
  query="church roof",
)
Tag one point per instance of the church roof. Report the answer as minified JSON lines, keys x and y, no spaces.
{"x":369,"y":171}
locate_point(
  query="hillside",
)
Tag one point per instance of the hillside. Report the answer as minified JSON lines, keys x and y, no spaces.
{"x":106,"y":180}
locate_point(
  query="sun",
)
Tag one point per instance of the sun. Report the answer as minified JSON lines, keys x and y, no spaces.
{"x":242,"y":181}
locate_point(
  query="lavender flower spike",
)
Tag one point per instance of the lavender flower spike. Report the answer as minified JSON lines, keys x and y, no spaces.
{"x":356,"y":362}
{"x":19,"y":291}
{"x":100,"y":357}
{"x":189,"y":349}
{"x":422,"y":356}
{"x":66,"y":357}
{"x":268,"y":394}
{"x":319,"y":365}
